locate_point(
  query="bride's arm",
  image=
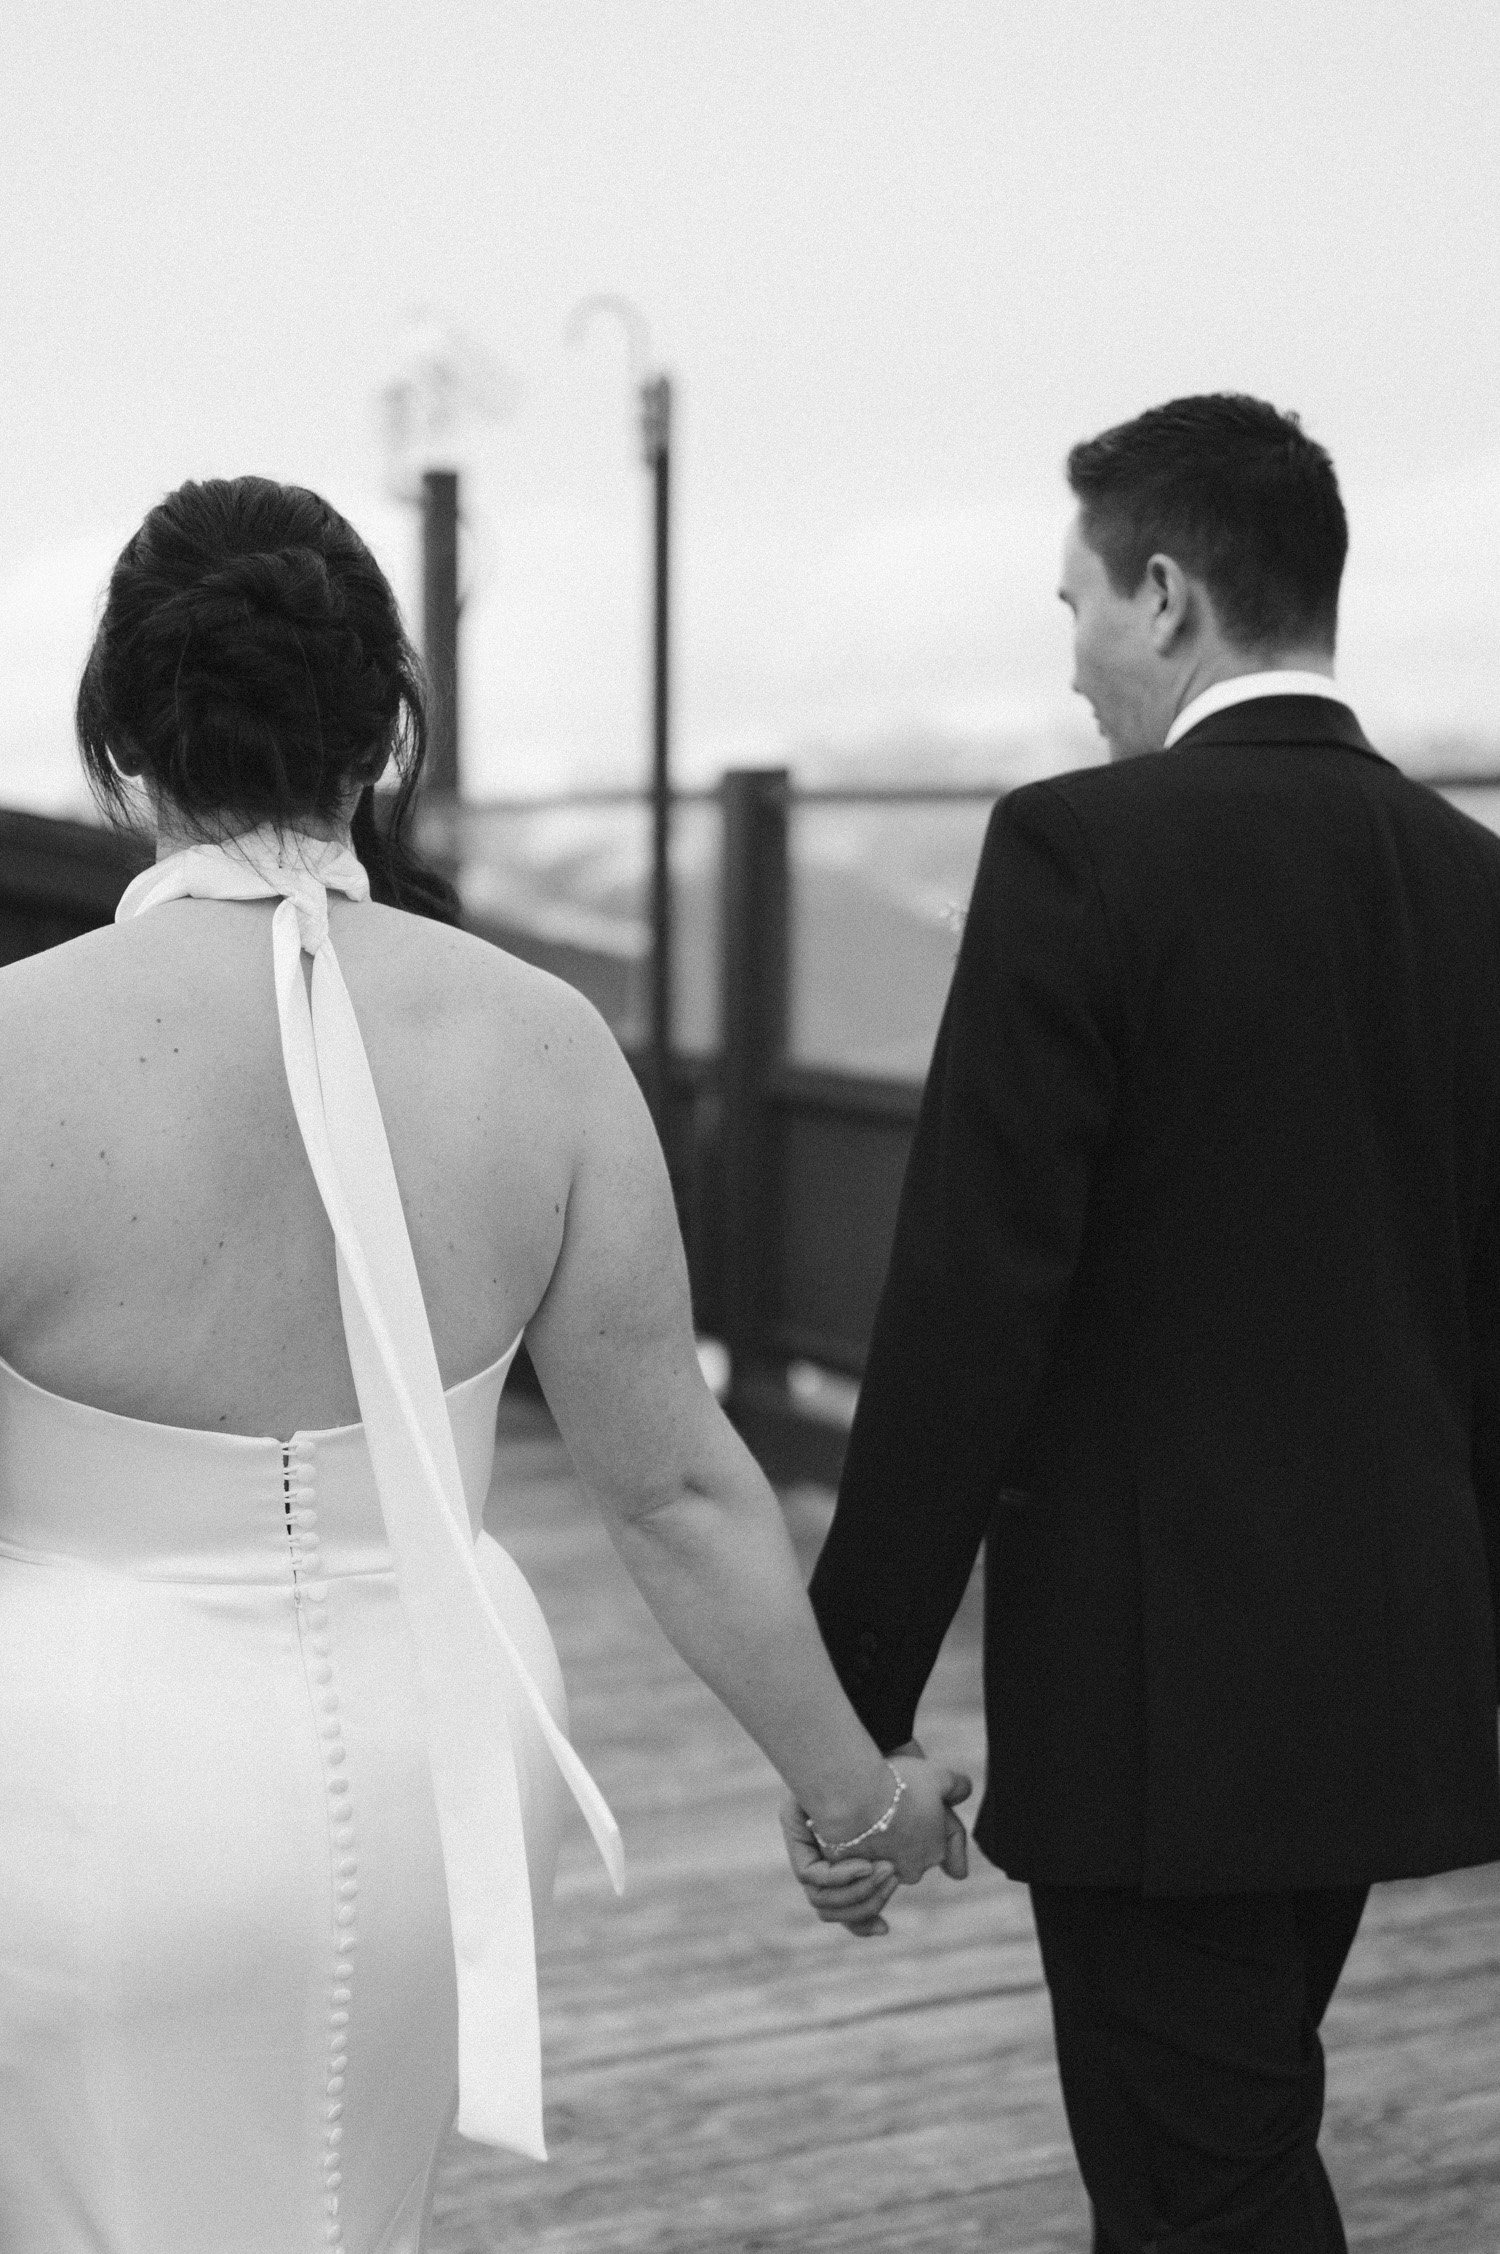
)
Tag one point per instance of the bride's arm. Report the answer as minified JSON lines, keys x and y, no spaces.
{"x":695,"y":1521}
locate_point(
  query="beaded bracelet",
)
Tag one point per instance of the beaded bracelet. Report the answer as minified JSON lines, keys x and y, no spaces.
{"x":833,"y":1854}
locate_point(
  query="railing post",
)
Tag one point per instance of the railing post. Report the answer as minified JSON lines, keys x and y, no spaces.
{"x":754,"y":969}
{"x":440,"y":607}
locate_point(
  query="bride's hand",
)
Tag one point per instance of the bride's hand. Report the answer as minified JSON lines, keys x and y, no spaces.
{"x":851,"y":1893}
{"x":853,"y":1889}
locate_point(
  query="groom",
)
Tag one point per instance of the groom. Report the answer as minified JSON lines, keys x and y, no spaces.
{"x":1193,"y":1319}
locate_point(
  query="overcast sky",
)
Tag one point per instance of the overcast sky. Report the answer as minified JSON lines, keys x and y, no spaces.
{"x":898,"y":255}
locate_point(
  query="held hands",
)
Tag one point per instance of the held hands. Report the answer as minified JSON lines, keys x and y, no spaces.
{"x":923,"y":1833}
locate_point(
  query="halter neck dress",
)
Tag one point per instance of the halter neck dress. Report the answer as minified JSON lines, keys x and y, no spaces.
{"x":282,"y":1750}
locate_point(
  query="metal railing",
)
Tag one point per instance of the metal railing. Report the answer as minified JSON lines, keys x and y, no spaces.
{"x":787,"y":1171}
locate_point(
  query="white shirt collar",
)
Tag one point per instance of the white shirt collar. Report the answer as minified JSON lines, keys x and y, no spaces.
{"x":1242,"y":688}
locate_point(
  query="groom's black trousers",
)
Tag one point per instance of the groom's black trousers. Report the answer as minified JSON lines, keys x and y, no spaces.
{"x":1192,"y":2073}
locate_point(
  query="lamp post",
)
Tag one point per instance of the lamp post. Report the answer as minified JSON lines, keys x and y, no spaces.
{"x":656,"y":432}
{"x":655,"y":398}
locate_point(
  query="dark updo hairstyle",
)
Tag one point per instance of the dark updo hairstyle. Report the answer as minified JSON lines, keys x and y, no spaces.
{"x":252,"y":666}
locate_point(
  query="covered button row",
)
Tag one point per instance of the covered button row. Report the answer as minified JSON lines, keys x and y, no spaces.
{"x":346,"y":1893}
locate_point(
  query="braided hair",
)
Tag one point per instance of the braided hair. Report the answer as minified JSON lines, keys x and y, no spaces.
{"x":251,"y":663}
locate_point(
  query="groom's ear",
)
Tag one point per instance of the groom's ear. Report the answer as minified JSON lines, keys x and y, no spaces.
{"x":1173,"y":603}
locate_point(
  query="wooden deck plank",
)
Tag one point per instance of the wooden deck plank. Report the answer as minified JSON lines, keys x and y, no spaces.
{"x":726,"y":2075}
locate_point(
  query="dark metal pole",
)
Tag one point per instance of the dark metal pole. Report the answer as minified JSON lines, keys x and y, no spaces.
{"x":656,"y":421}
{"x":753,"y":967}
{"x":440,"y":625}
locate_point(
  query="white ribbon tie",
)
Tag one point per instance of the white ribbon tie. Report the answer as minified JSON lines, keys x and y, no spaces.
{"x":469,"y":1668}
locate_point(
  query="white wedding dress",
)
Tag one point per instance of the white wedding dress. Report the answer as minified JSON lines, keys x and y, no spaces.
{"x":281,"y":1753}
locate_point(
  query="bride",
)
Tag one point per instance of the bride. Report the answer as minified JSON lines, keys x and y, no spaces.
{"x":290,"y":1169}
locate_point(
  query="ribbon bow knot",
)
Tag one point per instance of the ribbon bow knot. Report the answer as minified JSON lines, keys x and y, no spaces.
{"x":309,"y":900}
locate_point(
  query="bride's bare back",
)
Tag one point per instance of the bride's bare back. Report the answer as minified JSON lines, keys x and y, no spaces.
{"x":163,"y":1249}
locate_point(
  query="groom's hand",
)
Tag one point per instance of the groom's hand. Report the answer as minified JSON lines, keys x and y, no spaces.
{"x":956,"y":1857}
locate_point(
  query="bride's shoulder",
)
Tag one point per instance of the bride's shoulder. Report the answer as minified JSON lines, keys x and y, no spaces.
{"x":34,"y":985}
{"x":463,"y":983}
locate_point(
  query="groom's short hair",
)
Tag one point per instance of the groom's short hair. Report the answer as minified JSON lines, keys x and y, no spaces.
{"x":1236,"y":493}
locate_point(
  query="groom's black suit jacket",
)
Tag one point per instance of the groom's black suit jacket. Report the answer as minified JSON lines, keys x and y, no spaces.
{"x":1193,"y":1316}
